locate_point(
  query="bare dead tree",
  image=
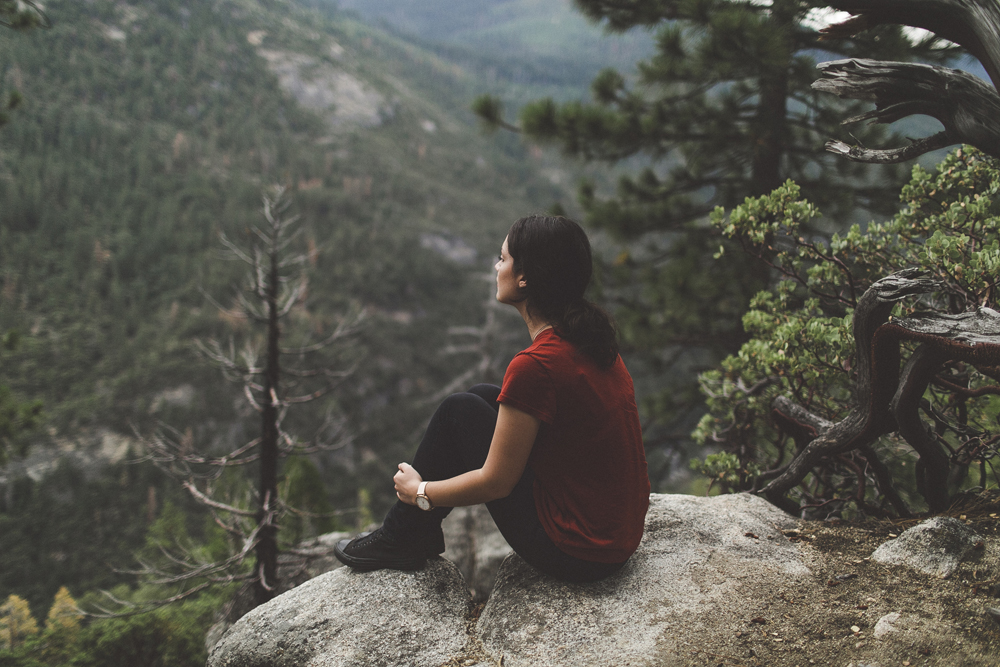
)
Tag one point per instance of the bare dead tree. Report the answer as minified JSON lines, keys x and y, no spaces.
{"x":274,"y":378}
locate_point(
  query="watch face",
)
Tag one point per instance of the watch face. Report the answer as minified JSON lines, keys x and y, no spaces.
{"x":423,"y":503}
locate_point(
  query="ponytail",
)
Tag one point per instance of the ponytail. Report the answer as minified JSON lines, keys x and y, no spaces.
{"x":592,"y":330}
{"x":553,"y":253}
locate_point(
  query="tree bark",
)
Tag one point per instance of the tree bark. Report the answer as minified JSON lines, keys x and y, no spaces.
{"x":970,"y":337}
{"x":932,"y":466}
{"x":798,"y":422}
{"x":267,"y":545}
{"x":972,"y":24}
{"x":804,"y":427}
{"x":877,"y":378}
{"x":770,"y":127}
{"x":966,"y":106}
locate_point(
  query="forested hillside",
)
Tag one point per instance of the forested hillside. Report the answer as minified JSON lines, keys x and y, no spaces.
{"x":149,"y":128}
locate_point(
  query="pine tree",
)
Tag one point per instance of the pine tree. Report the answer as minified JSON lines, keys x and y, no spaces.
{"x":16,"y":622}
{"x":63,"y":616}
{"x":723,"y":110}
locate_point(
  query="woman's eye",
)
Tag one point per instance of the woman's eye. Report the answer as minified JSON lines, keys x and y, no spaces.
{"x":499,"y":258}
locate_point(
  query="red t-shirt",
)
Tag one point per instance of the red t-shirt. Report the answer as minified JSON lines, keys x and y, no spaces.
{"x":591,"y":483}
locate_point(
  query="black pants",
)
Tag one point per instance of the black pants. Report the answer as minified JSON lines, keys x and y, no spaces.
{"x":457,"y":440}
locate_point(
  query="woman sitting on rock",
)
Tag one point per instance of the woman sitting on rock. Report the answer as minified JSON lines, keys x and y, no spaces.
{"x":556,"y":453}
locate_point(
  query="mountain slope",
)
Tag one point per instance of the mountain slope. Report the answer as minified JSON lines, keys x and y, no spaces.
{"x":150,"y":127}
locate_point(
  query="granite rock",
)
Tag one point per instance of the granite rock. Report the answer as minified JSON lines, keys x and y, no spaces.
{"x":702,"y":564}
{"x":476,"y":546}
{"x":935,"y":546}
{"x":351,"y":619}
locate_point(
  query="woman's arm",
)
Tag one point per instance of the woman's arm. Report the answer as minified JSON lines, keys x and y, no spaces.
{"x":509,"y":450}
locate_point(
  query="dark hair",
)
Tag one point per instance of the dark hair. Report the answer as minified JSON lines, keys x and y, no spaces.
{"x":553,"y":254}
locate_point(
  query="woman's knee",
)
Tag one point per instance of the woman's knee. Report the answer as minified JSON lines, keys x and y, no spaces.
{"x":458,"y":404}
{"x":471,"y":402}
{"x":467,"y":414}
{"x":488,"y":392}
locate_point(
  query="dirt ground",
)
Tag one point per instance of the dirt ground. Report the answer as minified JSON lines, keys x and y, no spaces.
{"x":831,"y":620}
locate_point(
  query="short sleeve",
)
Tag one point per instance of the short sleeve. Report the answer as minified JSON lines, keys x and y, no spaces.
{"x":528,"y":387}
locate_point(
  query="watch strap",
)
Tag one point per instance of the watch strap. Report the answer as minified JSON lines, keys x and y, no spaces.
{"x":421,"y":493}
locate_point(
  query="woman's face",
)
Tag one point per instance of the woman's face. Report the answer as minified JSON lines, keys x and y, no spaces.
{"x":508,"y":284}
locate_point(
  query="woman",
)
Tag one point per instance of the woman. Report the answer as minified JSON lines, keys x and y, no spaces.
{"x":556,"y":453}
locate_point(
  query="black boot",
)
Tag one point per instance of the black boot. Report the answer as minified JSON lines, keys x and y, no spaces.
{"x":378,"y":551}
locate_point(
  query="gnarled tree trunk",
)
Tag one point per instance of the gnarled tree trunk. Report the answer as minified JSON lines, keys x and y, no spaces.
{"x":965,"y":105}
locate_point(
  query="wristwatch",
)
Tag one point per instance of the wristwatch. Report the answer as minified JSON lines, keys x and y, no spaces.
{"x":423,"y":502}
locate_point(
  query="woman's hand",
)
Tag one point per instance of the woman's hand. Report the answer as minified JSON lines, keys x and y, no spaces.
{"x":407,"y":480}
